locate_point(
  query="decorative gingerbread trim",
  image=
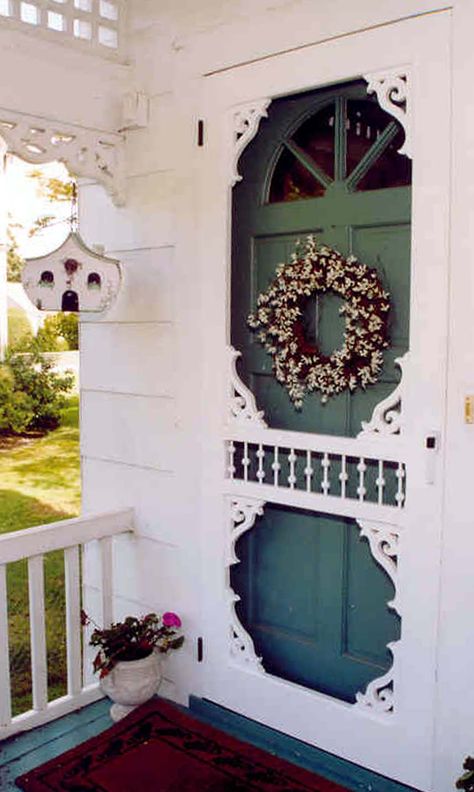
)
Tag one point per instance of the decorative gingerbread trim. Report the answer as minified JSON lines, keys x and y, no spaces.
{"x":387,"y":416}
{"x":242,"y":408}
{"x":392,"y":89}
{"x":383,"y":542}
{"x":243,"y":513}
{"x":246,"y":120}
{"x":380,"y":693}
{"x":87,"y":153}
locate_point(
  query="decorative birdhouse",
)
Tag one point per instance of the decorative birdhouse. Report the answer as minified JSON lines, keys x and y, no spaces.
{"x":72,"y":278}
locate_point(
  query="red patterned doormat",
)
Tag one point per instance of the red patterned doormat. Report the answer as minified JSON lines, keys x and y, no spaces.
{"x":158,"y":748}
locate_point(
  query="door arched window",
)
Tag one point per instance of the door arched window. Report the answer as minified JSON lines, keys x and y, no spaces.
{"x":351,"y":142}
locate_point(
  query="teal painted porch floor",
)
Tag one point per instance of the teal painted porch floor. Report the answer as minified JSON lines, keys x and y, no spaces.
{"x":30,"y":749}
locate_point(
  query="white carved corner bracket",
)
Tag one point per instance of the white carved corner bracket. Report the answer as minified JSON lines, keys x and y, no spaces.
{"x":387,"y":417}
{"x":392,"y":88}
{"x":87,"y":153}
{"x":243,"y":513}
{"x":245,"y":122}
{"x":241,"y":405}
{"x":380,"y":694}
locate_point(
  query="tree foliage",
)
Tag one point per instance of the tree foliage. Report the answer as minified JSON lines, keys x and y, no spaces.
{"x":14,"y":261}
{"x":31,"y":393}
{"x":60,"y":331}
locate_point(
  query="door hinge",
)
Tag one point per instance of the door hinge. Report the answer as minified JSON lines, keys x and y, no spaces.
{"x":200,"y":651}
{"x":200,"y":135}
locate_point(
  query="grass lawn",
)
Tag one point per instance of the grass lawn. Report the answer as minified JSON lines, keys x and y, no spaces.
{"x":39,"y":483}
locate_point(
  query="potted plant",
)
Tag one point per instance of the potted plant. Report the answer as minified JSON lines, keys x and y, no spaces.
{"x":128,"y":657}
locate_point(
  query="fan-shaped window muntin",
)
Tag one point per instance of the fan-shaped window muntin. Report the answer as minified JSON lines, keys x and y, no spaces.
{"x":348,"y":142}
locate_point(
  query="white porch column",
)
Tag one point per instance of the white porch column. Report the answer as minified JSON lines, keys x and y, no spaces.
{"x":3,"y":252}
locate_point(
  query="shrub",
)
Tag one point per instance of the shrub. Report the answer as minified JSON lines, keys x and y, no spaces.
{"x":33,"y":393}
{"x":15,"y":407}
{"x":19,"y":329}
{"x":59,"y":332}
{"x":68,"y":328}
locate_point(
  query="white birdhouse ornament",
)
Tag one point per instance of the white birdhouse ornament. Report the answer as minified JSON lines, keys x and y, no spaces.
{"x":72,"y":278}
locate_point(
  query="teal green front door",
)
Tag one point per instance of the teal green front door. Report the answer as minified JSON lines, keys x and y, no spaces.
{"x":312,"y":597}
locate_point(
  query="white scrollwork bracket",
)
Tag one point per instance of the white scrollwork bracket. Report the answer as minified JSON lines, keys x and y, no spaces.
{"x":242,"y":407}
{"x":379,"y":695}
{"x":387,"y":417}
{"x":393,"y":93}
{"x":243,"y":513}
{"x":87,"y":153}
{"x":245,"y":120}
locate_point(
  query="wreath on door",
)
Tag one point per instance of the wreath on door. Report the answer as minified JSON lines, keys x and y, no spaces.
{"x":298,"y":364}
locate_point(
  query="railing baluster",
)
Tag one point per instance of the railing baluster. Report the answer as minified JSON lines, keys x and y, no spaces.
{"x":380,"y":482}
{"x":275,"y":467}
{"x":343,"y":476}
{"x":73,"y":620}
{"x":292,"y":460}
{"x":325,"y":464}
{"x":400,"y":474}
{"x":5,"y":695}
{"x":107,"y":581}
{"x":231,"y":466}
{"x":39,"y":668}
{"x":246,"y":461}
{"x":308,"y":471}
{"x":361,"y":490}
{"x":260,"y":457}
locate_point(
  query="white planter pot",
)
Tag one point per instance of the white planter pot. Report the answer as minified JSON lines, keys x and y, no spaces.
{"x":131,"y":683}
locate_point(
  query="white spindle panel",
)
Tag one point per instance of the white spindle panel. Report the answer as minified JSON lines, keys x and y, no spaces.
{"x":335,"y":469}
{"x":39,"y":665}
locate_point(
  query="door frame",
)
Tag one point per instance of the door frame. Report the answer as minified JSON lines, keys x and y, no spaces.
{"x":232,"y":102}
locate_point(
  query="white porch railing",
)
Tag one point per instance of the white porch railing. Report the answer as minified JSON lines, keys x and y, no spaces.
{"x":33,"y":544}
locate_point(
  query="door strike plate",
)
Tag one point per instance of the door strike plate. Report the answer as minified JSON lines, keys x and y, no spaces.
{"x":469,"y":409}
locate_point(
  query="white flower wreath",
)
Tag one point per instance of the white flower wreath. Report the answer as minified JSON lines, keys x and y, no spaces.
{"x":299,"y":365}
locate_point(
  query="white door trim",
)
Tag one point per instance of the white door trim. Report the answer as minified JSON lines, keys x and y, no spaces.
{"x":399,"y":746}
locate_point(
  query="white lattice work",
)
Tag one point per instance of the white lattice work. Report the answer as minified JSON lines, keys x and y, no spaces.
{"x":96,"y":24}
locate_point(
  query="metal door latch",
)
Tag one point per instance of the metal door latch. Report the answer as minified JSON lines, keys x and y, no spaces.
{"x":432,"y":442}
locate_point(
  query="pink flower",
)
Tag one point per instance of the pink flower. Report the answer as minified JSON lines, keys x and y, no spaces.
{"x":171,"y":620}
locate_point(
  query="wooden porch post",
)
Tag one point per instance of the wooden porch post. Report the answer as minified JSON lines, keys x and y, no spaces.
{"x":3,"y":252}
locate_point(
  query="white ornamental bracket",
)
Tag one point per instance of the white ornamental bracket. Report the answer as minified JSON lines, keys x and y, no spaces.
{"x":87,"y":153}
{"x":72,"y":278}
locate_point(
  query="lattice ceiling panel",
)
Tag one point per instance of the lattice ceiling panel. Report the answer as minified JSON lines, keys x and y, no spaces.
{"x":95,"y":24}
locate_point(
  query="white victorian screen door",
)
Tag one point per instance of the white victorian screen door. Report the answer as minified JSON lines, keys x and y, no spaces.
{"x":321,"y":522}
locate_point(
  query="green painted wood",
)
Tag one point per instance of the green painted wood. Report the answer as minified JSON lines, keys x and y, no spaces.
{"x":29,"y":749}
{"x":325,"y":764}
{"x":312,"y":597}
